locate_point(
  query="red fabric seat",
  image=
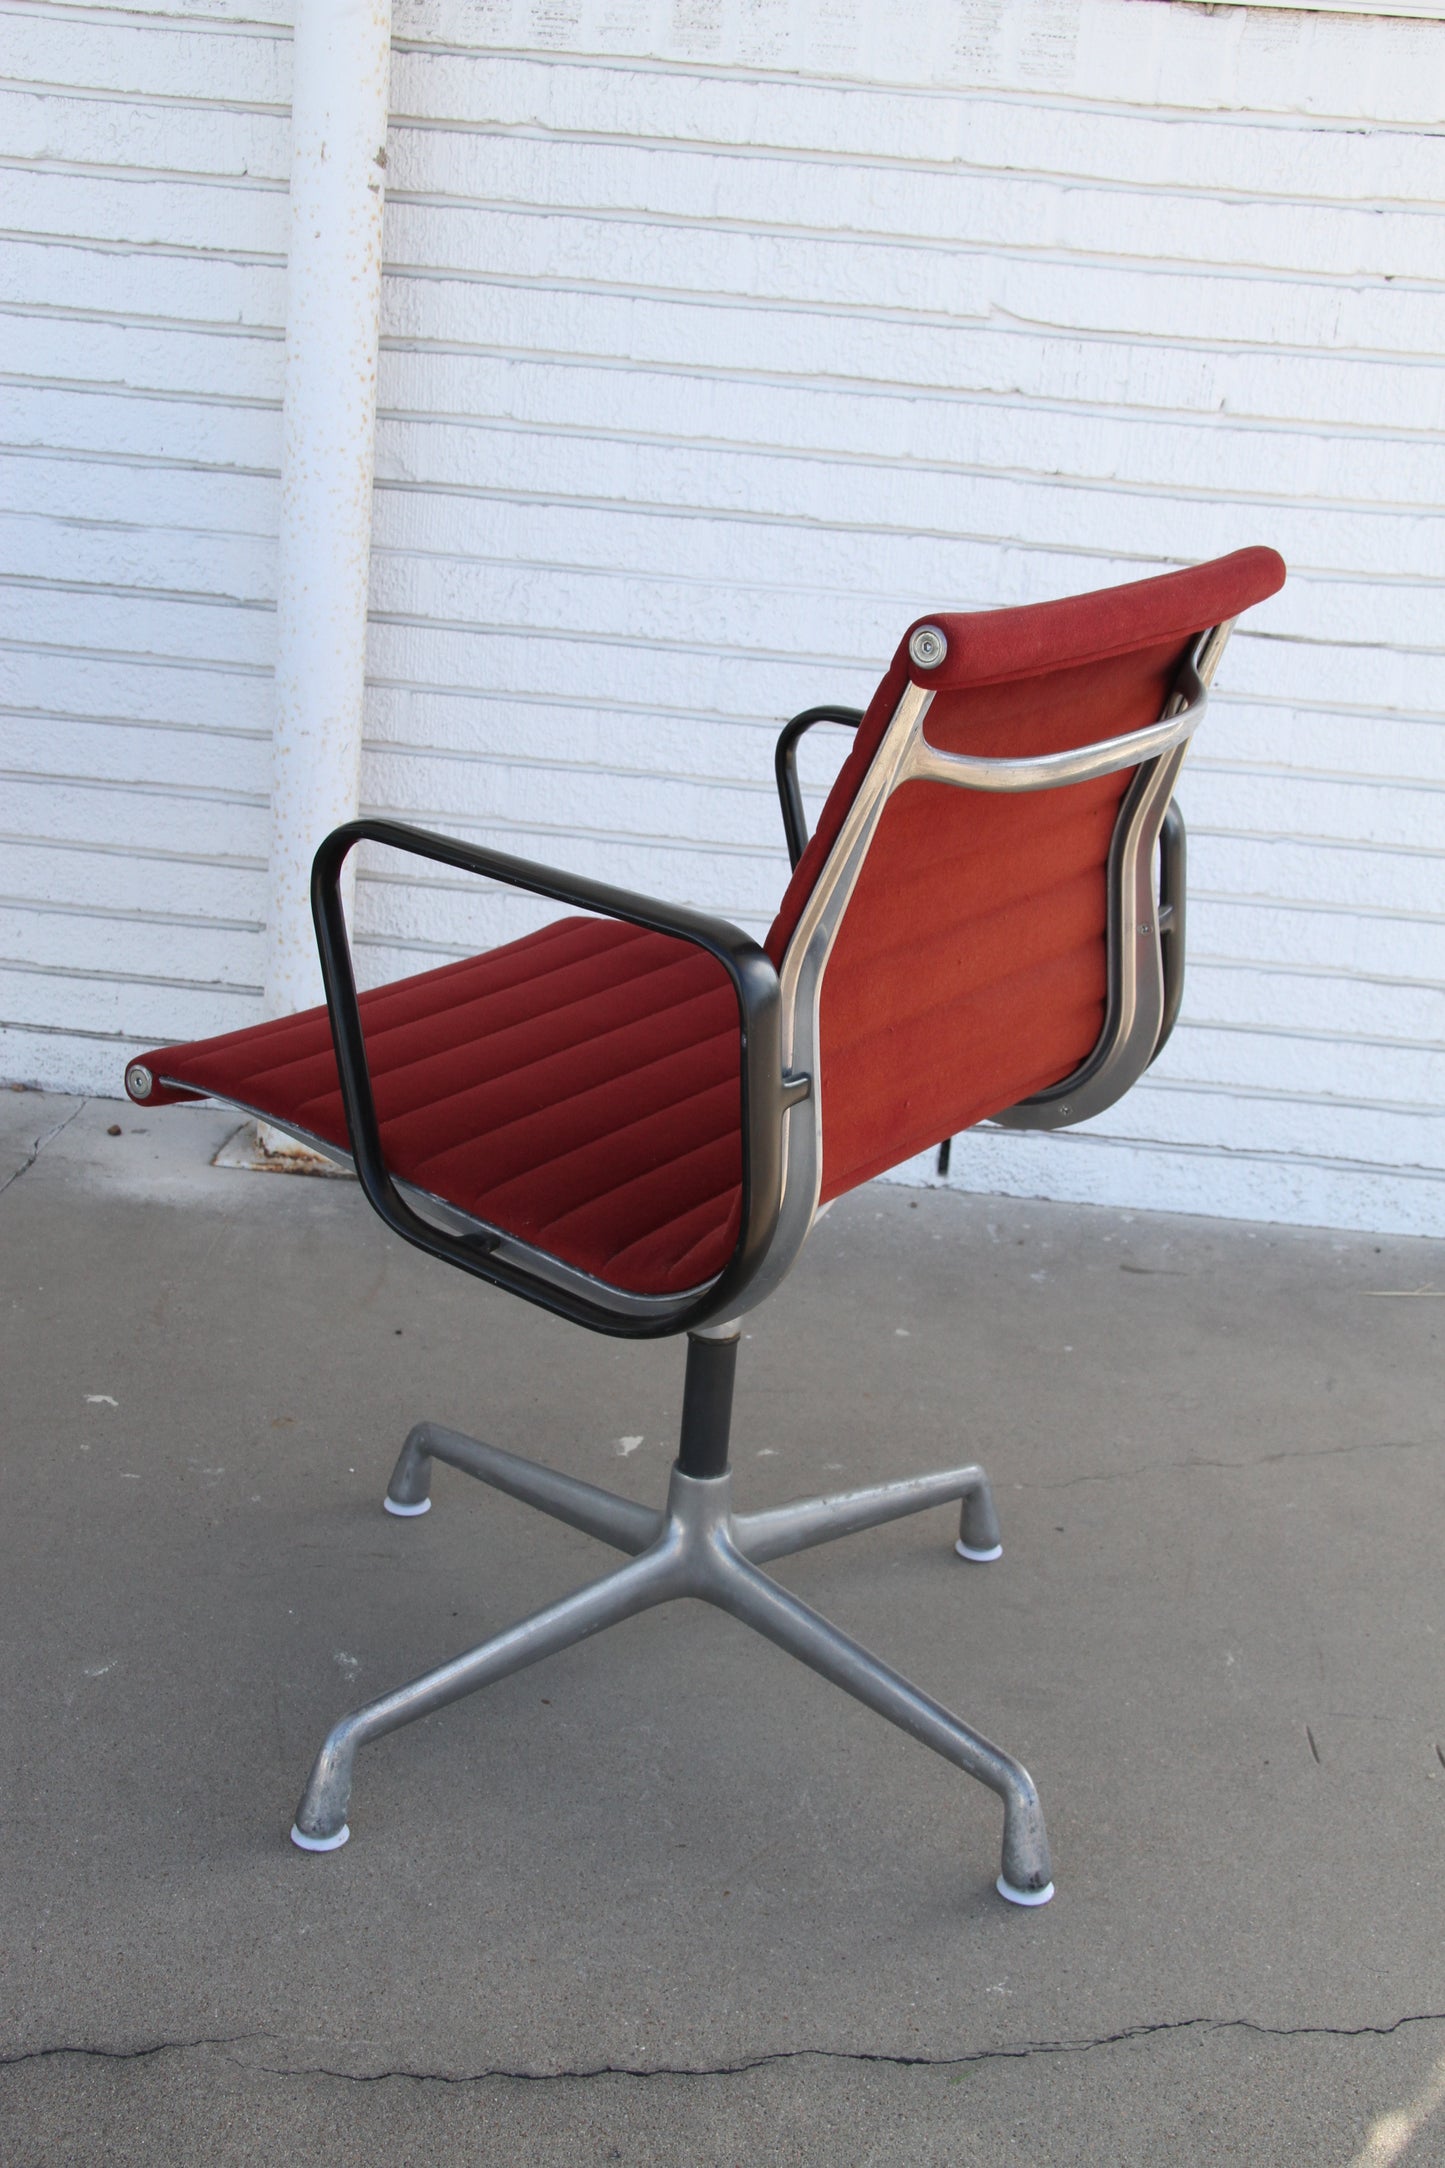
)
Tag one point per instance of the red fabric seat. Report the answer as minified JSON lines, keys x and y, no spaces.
{"x":580,"y":1089}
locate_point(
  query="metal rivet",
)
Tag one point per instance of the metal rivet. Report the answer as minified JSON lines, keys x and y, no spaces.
{"x":927,"y":647}
{"x":1063,"y":1110}
{"x":138,"y":1080}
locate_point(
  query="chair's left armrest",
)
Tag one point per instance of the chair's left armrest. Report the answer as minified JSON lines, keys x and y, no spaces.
{"x":765,"y":1093}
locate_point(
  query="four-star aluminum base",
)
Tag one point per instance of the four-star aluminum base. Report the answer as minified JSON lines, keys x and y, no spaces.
{"x":696,"y":1547}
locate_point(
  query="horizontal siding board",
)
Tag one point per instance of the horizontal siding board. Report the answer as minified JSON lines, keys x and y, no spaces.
{"x":234,"y":568}
{"x":1285,"y":61}
{"x":117,"y":752}
{"x":245,"y":217}
{"x":1396,"y":947}
{"x":1214,"y":454}
{"x":190,"y":628}
{"x":431,"y":920}
{"x":145,"y":357}
{"x":576,"y":732}
{"x":91,"y":486}
{"x":1186,"y":369}
{"x":845,"y":275}
{"x":1342,"y":1069}
{"x":708,"y":815}
{"x":141,"y":425}
{"x":83,"y":50}
{"x":1296,"y":1188}
{"x":1317,"y":870}
{"x":1331,"y":1003}
{"x":141,"y":1008}
{"x":1402,"y":816}
{"x":80,"y":943}
{"x":1014,"y":213}
{"x":1233,"y":1119}
{"x":124,"y":878}
{"x":743,"y":884}
{"x":1120,"y":524}
{"x":218,"y":141}
{"x":132,"y":689}
{"x":65,"y":809}
{"x":1242,"y":153}
{"x":188,"y":288}
{"x":631,"y":669}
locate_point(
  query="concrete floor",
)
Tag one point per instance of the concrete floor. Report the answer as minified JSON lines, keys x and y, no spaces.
{"x":671,"y":1899}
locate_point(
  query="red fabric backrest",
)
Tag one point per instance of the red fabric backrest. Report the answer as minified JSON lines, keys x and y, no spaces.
{"x":970,"y":969}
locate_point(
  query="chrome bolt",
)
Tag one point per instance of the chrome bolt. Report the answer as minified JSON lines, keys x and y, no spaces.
{"x":927,"y":647}
{"x":138,"y":1080}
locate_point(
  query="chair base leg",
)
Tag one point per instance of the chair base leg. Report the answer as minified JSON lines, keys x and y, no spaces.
{"x":696,"y":1548}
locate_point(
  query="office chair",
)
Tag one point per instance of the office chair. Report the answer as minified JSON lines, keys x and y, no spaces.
{"x":634,"y":1117}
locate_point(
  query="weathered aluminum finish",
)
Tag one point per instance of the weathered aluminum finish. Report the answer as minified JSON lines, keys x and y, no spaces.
{"x":797,"y":1527}
{"x":699,"y":1550}
{"x":618,"y":1521}
{"x":1052,"y":771}
{"x":801,"y":979}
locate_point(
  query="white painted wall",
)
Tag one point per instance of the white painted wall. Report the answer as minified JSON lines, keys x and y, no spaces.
{"x":719,"y":339}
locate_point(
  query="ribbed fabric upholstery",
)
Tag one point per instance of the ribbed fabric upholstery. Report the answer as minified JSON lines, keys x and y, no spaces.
{"x":580,"y":1089}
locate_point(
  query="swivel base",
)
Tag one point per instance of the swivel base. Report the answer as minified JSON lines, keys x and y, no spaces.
{"x":698,"y":1547}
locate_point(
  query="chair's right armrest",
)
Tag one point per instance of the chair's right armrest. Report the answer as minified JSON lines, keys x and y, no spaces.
{"x":785,"y":768}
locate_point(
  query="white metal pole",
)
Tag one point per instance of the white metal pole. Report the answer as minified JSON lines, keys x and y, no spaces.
{"x":340,"y":96}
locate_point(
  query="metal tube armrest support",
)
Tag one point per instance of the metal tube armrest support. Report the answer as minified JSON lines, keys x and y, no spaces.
{"x":785,"y":768}
{"x":765,"y":1095}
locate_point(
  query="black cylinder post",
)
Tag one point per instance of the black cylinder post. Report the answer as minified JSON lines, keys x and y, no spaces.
{"x":707,"y":1407}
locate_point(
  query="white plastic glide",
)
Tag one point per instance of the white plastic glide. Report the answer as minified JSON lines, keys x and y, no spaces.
{"x":981,"y":1558}
{"x":330,"y":1844}
{"x":1024,"y":1896}
{"x":407,"y":1513}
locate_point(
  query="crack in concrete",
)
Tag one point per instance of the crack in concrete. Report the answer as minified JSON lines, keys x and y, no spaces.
{"x":40,"y":1144}
{"x":765,"y":2060}
{"x":1262,"y":1460}
{"x":129,"y":2055}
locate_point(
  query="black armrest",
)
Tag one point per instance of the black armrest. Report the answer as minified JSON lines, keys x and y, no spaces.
{"x":785,"y":767}
{"x":764,"y":1094}
{"x":1173,"y":855}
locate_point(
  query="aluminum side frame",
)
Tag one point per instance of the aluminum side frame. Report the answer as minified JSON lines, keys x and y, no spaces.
{"x":1137,"y":1004}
